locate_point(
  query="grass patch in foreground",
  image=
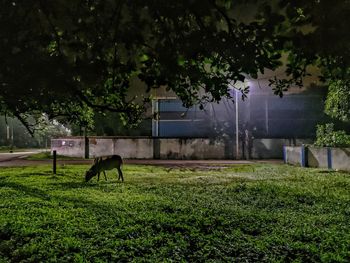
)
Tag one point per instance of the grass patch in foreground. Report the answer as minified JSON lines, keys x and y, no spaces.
{"x":246,"y":213}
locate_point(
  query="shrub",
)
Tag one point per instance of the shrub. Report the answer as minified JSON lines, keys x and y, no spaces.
{"x":327,"y":136}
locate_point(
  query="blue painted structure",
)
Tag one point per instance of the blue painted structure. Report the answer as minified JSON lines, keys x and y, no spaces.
{"x":263,"y":114}
{"x":284,"y":154}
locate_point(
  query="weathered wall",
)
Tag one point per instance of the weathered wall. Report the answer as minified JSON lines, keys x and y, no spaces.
{"x":317,"y":157}
{"x":196,"y":148}
{"x":272,"y":148}
{"x":142,"y":148}
{"x":71,"y":146}
{"x":341,"y":158}
{"x":332,"y":158}
{"x":168,"y":148}
{"x":134,"y":148}
{"x":293,"y":155}
{"x":100,"y":147}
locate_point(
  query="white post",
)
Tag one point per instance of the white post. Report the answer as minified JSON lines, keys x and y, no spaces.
{"x":155,"y":120}
{"x":12,"y":133}
{"x":237,"y":128}
{"x":7,"y":132}
{"x":267,"y":115}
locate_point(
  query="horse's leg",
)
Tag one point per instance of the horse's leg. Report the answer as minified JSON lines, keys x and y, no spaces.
{"x":120,"y":173}
{"x":105,"y":175}
{"x":98,"y":177}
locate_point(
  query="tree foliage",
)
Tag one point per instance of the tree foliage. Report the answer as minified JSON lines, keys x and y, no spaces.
{"x":67,"y":57}
{"x":327,"y":136}
{"x":13,"y":134}
{"x":338,"y":100}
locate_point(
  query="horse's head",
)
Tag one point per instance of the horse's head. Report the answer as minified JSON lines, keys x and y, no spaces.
{"x":89,"y":174}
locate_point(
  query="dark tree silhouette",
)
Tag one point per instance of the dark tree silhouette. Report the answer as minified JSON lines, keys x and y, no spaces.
{"x":66,"y":58}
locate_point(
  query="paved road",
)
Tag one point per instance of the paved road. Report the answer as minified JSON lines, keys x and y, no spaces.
{"x":4,"y":157}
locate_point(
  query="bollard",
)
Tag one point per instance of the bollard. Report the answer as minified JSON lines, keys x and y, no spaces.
{"x":54,"y":162}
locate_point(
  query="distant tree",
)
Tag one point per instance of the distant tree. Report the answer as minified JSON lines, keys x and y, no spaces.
{"x":69,"y":57}
{"x":14,"y":134}
{"x":49,"y":129}
{"x":110,"y":124}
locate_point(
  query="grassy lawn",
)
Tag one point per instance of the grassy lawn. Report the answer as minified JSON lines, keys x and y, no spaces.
{"x":246,"y":213}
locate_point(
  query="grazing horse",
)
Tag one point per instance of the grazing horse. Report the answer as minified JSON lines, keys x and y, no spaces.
{"x":101,"y":164}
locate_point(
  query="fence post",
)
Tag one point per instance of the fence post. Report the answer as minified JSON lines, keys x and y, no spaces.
{"x":284,"y":154}
{"x":87,"y":149}
{"x":329,"y":158}
{"x":54,"y":162}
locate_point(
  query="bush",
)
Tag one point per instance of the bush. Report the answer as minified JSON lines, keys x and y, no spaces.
{"x":326,"y":136}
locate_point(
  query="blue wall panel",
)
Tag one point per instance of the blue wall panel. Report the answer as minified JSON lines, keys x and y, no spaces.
{"x":181,"y":129}
{"x":173,"y":105}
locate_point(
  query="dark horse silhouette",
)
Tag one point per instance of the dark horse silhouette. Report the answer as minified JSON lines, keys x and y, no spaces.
{"x":101,"y":164}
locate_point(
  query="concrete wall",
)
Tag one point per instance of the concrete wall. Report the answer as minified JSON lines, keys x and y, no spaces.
{"x":142,"y":148}
{"x":197,"y":148}
{"x":317,"y":157}
{"x":293,"y":155}
{"x":130,"y":148}
{"x":322,"y":157}
{"x":100,"y":147}
{"x":169,"y":148}
{"x":272,"y":148}
{"x":137,"y":148}
{"x":341,"y":158}
{"x":72,"y":146}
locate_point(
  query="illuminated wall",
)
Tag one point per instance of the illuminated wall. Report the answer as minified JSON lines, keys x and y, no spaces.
{"x":266,"y":115}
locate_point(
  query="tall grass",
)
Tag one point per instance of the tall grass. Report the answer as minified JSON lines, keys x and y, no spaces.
{"x":246,"y":213}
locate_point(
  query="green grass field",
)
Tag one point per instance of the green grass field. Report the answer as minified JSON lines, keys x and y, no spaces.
{"x":47,"y":156}
{"x":243,"y":213}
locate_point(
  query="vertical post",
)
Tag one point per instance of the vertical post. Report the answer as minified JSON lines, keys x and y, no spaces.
{"x":86,"y":144}
{"x":8,"y":132}
{"x":12,"y":142}
{"x":158,"y":117}
{"x":54,"y":161}
{"x":12,"y":133}
{"x":155,"y":121}
{"x":155,"y":129}
{"x":284,"y":154}
{"x":87,"y":150}
{"x":237,"y":128}
{"x":304,"y":156}
{"x":329,"y":158}
{"x":267,"y":115}
{"x":8,"y":136}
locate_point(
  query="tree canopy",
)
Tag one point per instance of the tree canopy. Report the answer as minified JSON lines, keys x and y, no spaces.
{"x":67,"y":58}
{"x":338,"y":100}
